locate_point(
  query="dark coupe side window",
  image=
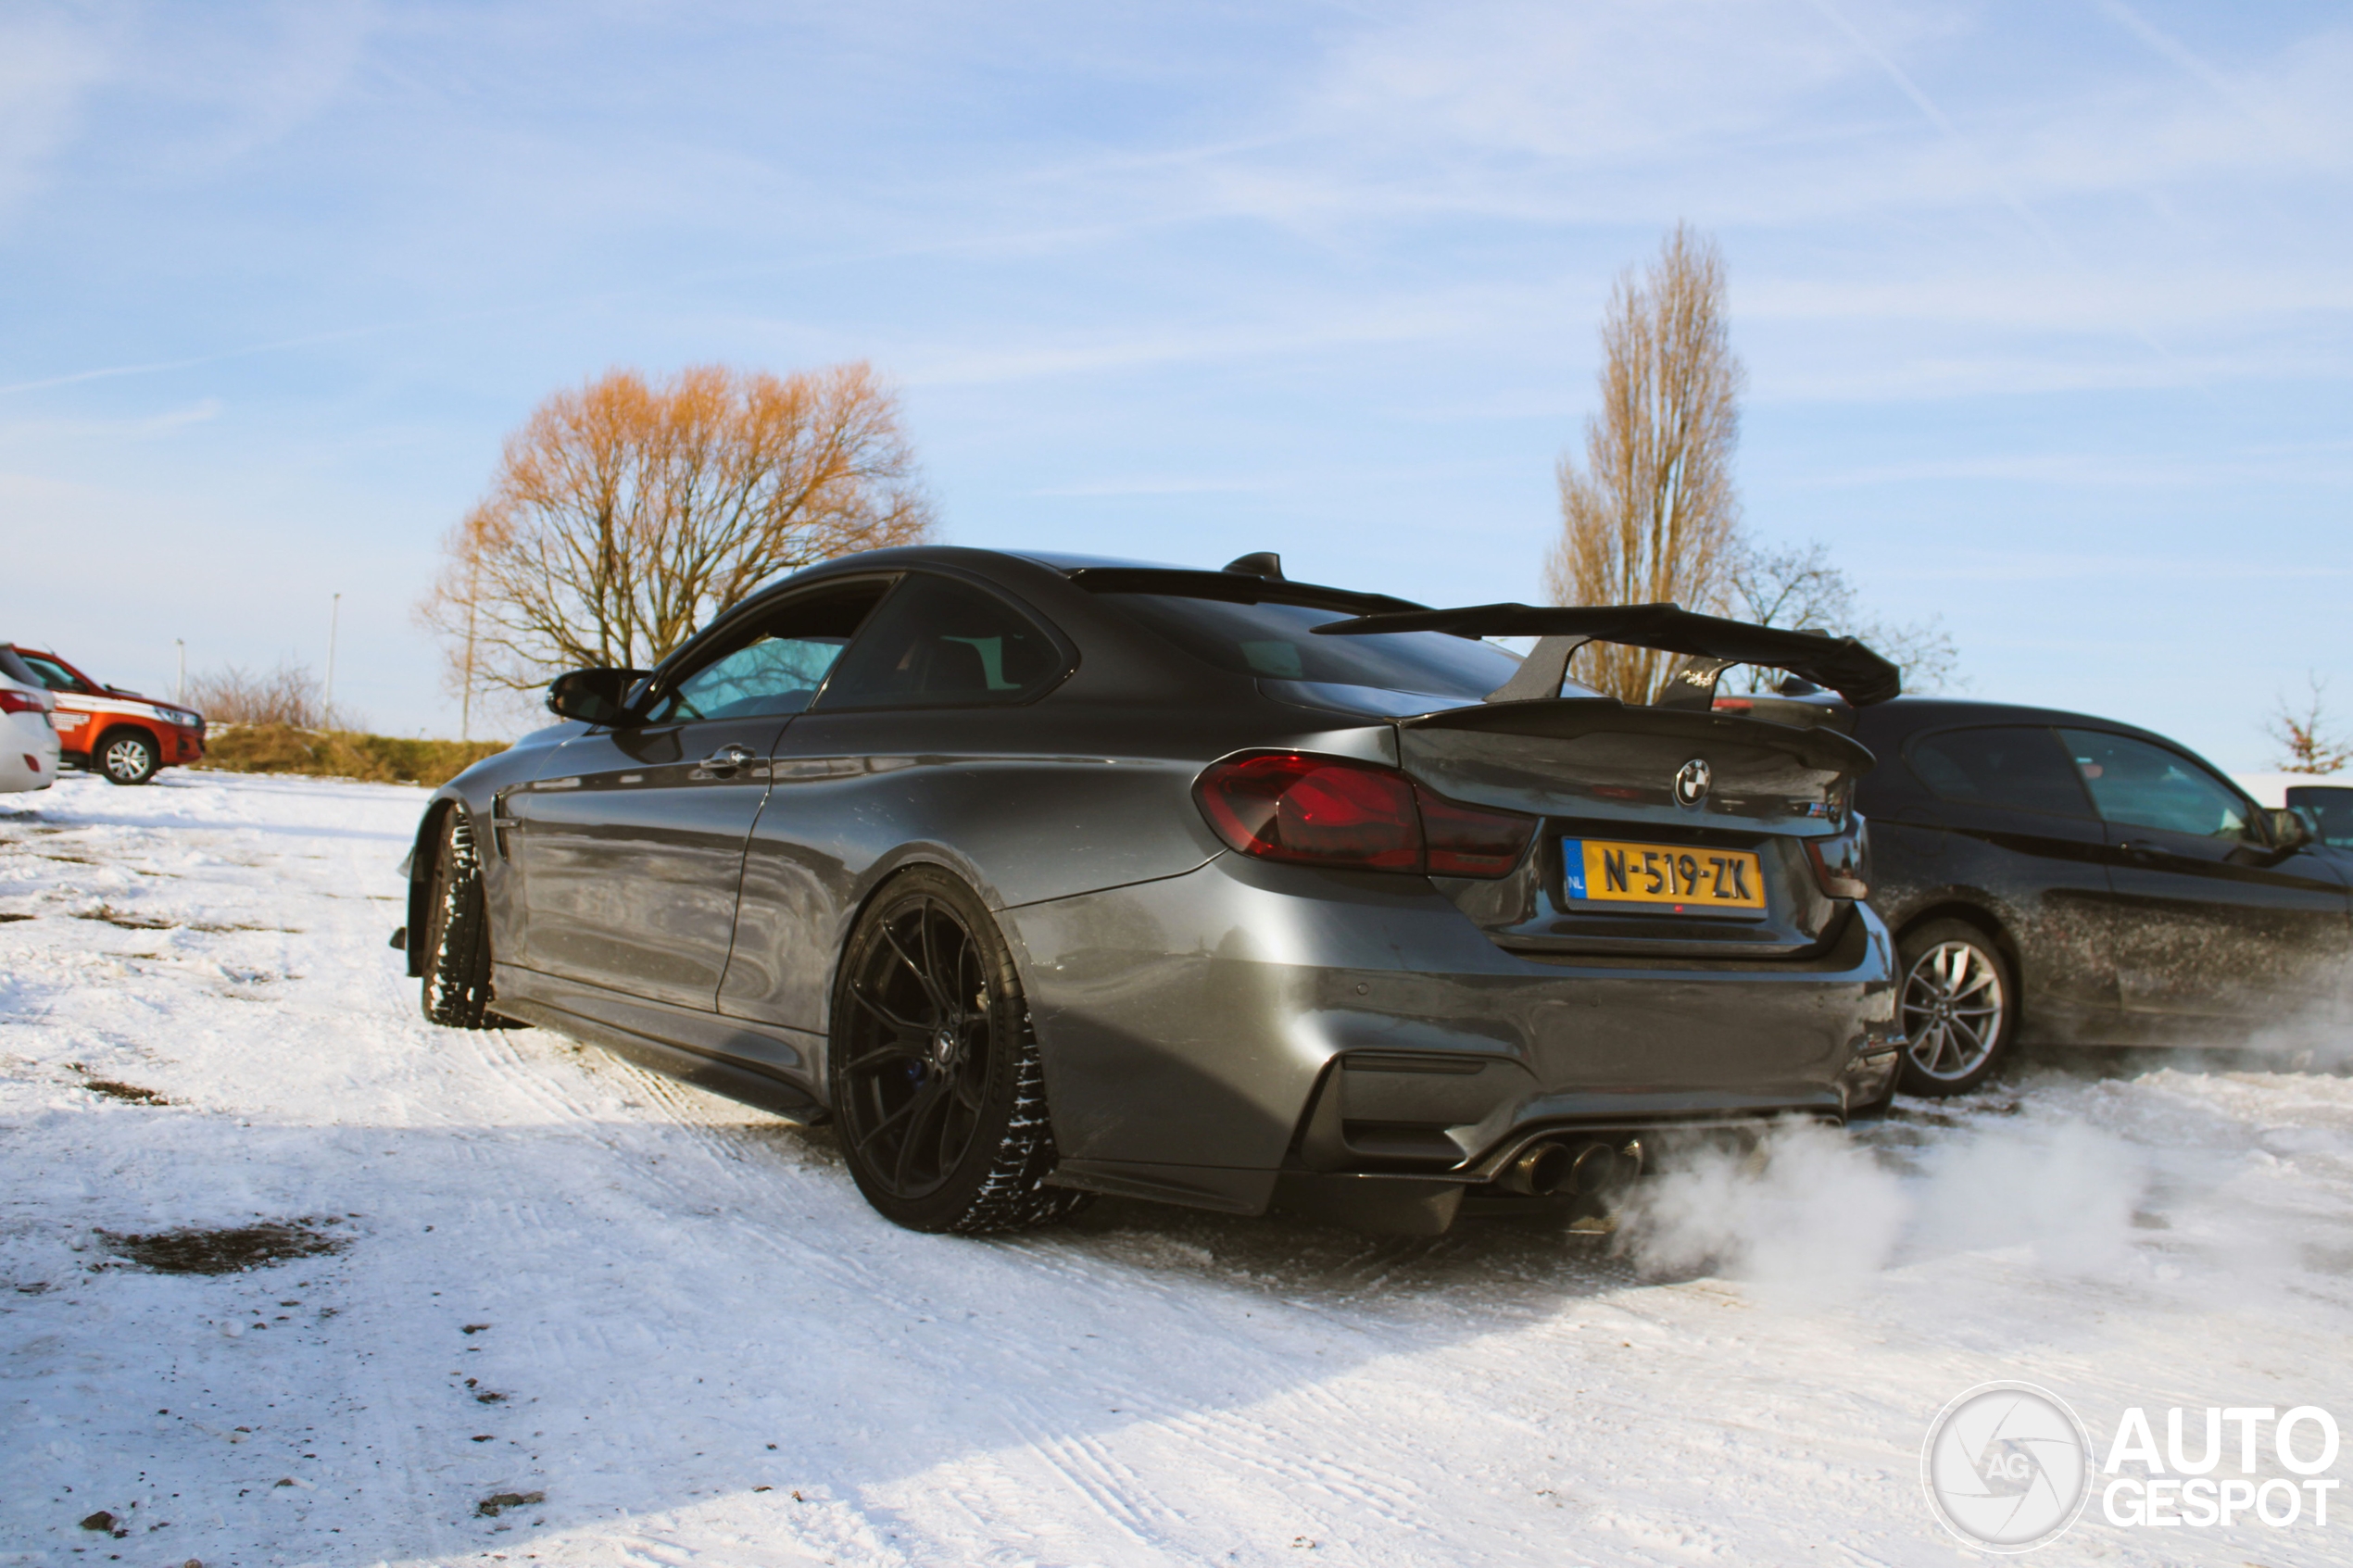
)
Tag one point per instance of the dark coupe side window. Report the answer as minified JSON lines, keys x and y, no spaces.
{"x":1277,"y":641}
{"x":2018,"y":766}
{"x":941,"y":643}
{"x":772,"y":665}
{"x":2148,"y":786}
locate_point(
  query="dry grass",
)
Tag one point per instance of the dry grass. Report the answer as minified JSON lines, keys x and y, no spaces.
{"x":343,"y":754}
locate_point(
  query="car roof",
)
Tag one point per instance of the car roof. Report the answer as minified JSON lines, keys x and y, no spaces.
{"x":1906,"y":715}
{"x":1095,"y":573}
{"x":1895,"y":721}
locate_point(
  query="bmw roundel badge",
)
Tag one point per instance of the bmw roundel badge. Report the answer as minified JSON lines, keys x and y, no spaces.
{"x":1691,"y":782}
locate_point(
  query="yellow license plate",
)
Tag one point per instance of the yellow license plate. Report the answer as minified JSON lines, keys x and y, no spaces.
{"x":1606,"y":872}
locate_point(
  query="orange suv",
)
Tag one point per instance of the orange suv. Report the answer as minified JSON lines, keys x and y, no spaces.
{"x":109,"y":731}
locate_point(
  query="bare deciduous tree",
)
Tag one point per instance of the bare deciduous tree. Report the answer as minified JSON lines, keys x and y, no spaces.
{"x":2309,"y":742}
{"x":625,"y":514}
{"x":288,"y":695}
{"x":1653,"y":515}
{"x":1802,"y":590}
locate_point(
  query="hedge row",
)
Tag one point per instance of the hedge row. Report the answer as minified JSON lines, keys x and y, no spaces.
{"x":342,"y":754}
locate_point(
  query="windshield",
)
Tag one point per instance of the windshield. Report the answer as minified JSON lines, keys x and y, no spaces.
{"x":1277,"y":642}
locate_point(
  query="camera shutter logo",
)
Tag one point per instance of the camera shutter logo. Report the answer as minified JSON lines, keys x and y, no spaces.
{"x":2007,"y":1466}
{"x":1692,"y":781}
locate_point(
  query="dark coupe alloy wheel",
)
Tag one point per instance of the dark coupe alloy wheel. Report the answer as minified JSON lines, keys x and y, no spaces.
{"x":937,"y":1081}
{"x":128,"y":758}
{"x":1956,"y":1009}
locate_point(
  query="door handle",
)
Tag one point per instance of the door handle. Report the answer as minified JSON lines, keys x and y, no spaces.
{"x":727,"y":759}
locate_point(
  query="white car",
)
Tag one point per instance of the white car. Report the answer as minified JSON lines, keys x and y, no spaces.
{"x":28,"y":733}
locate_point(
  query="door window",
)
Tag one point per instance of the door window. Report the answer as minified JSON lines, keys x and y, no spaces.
{"x":2143,"y":785}
{"x":51,"y":675}
{"x":2018,"y":766}
{"x":774,"y":666}
{"x":940,"y":644}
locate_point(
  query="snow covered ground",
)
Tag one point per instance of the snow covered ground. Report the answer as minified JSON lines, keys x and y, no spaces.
{"x":577,"y":1314}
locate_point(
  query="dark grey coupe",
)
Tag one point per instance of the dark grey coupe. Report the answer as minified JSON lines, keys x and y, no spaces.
{"x":1044,"y":876}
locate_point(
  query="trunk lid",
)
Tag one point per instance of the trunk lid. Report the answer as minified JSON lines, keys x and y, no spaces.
{"x":1603,"y":774}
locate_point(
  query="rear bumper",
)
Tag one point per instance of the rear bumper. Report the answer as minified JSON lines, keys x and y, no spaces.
{"x":1205,"y":1032}
{"x":28,"y":755}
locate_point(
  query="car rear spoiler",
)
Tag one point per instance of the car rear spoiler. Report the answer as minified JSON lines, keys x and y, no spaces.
{"x":1710,"y":644}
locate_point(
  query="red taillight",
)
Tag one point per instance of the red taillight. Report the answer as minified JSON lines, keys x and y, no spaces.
{"x":21,"y":702}
{"x":1842,"y":865}
{"x":1469,"y":841}
{"x":1334,"y":811}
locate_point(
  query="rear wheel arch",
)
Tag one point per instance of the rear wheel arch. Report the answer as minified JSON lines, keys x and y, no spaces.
{"x":889,"y":869}
{"x":1944,"y":926}
{"x":1986,"y":920}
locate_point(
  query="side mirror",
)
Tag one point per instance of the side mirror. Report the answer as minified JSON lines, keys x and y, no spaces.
{"x":2289,"y":830}
{"x":593,"y":697}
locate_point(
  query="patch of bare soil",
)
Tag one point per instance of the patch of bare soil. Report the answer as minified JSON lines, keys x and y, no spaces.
{"x":127,"y":921}
{"x":112,"y":916}
{"x":198,"y":1249}
{"x":129,"y":1094}
{"x":497,"y":1503}
{"x":5,"y":916}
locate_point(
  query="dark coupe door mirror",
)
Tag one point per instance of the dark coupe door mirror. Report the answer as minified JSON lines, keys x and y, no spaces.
{"x":593,"y":697}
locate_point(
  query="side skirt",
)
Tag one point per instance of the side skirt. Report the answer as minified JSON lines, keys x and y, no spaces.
{"x":703,"y":1050}
{"x":1194,"y":1187}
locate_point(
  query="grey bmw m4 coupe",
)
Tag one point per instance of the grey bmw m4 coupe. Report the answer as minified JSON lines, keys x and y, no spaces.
{"x":1043,"y":876}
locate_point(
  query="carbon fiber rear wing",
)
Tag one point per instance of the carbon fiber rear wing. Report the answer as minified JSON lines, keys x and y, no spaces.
{"x":1710,"y":644}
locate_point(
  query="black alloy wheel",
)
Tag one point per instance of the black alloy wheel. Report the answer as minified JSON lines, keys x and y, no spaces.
{"x":128,"y":757}
{"x":455,"y":947}
{"x":934,"y":1073}
{"x":1959,"y":1008}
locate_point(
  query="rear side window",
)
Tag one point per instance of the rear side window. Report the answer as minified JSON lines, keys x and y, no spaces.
{"x":941,"y":643}
{"x":2018,"y":766}
{"x":2148,"y":786}
{"x":16,"y":668}
{"x":1277,"y":641}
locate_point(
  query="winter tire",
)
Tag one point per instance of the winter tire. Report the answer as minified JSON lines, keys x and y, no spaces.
{"x":934,"y":1073}
{"x":1958,"y":1006}
{"x":457,"y":935}
{"x":128,"y":757}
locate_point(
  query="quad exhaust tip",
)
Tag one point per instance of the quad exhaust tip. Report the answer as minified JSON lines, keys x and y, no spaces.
{"x":1572,"y":1168}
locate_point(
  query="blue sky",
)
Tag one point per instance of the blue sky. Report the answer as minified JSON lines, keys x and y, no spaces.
{"x":2046,"y":306}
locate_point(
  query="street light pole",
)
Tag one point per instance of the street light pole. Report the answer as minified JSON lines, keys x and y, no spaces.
{"x":335,"y":616}
{"x":179,"y":687}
